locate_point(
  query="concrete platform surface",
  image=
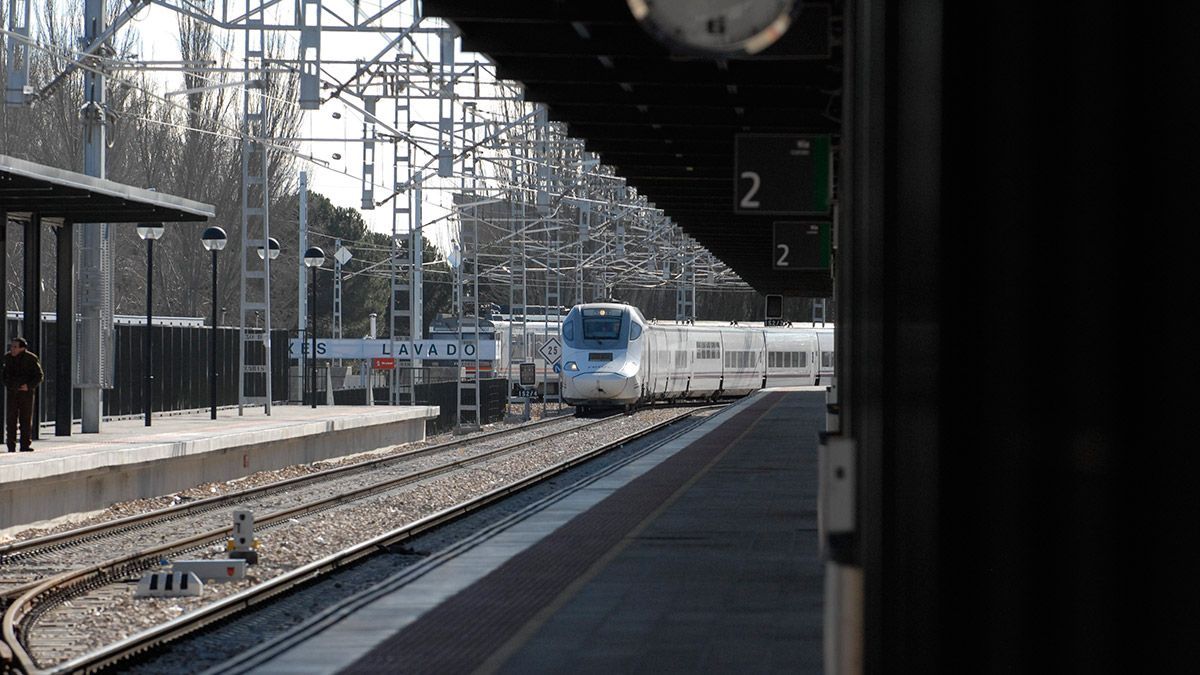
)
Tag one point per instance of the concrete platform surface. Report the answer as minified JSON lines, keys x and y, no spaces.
{"x":698,"y":557}
{"x":180,"y":451}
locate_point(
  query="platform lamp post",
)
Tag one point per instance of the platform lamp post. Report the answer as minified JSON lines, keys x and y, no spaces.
{"x":314,"y":257}
{"x":149,"y":232}
{"x":214,"y":240}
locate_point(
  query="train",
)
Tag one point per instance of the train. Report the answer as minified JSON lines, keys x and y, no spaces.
{"x":515,"y":344}
{"x":614,"y":358}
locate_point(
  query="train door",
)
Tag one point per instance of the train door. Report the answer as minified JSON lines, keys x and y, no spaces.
{"x":773,"y":375}
{"x":664,"y":363}
{"x":762,"y":358}
{"x":808,"y":347}
{"x":658,"y":383}
{"x":724,"y":360}
{"x":825,"y":363}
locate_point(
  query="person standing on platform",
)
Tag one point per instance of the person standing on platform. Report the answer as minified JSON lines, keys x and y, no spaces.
{"x":22,"y":375}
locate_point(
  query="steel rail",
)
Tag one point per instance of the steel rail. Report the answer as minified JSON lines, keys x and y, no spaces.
{"x":60,"y":540}
{"x":49,"y":592}
{"x":163,"y":633}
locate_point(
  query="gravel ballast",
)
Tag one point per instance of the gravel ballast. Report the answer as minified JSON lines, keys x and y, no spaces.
{"x":111,"y":613}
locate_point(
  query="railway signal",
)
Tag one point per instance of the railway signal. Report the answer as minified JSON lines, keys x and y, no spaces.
{"x":242,"y":545}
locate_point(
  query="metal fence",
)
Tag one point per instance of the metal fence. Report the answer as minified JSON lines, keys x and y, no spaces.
{"x":180,"y":369}
{"x":180,"y":379}
{"x":492,"y":400}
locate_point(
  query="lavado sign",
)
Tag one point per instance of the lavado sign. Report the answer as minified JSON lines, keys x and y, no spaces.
{"x":399,"y":349}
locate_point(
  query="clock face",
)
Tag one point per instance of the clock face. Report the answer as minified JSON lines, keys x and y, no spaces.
{"x":716,"y":26}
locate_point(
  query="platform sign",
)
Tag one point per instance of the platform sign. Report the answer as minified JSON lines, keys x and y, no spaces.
{"x":402,"y":350}
{"x":551,"y":350}
{"x":528,"y":374}
{"x":383,"y":364}
{"x":782,"y":174}
{"x":801,"y":246}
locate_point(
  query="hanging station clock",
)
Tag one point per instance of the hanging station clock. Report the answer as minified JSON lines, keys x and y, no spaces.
{"x":716,"y":27}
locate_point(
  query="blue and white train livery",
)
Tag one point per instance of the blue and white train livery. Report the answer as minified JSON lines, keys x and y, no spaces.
{"x":613,"y":357}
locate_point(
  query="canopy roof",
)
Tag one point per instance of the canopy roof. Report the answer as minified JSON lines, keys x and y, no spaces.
{"x":665,"y":121}
{"x":27,"y":187}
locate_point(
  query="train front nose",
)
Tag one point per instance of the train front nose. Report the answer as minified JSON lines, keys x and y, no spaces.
{"x":602,"y":387}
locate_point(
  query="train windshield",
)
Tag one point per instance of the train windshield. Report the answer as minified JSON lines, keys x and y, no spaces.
{"x":602,"y":324}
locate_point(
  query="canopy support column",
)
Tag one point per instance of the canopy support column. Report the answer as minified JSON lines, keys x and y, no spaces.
{"x":33,"y":299}
{"x":64,"y":333}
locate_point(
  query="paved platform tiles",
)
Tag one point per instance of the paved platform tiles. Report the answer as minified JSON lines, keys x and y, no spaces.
{"x":701,"y":557}
{"x":127,"y":460}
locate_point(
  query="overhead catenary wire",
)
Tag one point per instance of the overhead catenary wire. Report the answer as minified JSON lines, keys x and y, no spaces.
{"x":572,"y":168}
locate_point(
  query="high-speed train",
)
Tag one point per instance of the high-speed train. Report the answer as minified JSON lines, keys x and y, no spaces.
{"x":613,"y":357}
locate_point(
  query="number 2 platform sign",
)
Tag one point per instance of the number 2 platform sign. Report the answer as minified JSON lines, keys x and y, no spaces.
{"x":782,"y":174}
{"x":801,"y":246}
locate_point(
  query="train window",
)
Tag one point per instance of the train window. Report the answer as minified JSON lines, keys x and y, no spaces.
{"x":601,"y":327}
{"x":635,"y":330}
{"x":708,"y":350}
{"x":826,"y":359}
{"x":568,"y":331}
{"x":801,"y":360}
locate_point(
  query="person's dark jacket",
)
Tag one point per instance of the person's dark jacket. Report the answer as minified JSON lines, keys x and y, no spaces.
{"x":25,"y":369}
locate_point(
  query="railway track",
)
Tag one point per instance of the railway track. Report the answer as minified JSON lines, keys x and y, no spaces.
{"x":23,"y":564}
{"x":46,"y":618}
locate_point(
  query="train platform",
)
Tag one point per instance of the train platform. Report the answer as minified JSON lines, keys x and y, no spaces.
{"x":82,"y":473}
{"x":700,"y":556}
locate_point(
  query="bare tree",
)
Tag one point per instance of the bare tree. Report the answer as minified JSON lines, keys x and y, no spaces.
{"x":188,"y":146}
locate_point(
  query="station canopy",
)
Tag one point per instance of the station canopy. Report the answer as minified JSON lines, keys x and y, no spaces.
{"x":667,"y":122}
{"x":27,"y":187}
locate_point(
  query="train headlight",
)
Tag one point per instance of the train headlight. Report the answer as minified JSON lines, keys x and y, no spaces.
{"x":572,"y":366}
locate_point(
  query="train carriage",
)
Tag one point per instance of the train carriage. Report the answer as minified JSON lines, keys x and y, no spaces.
{"x":612,"y":356}
{"x":515,"y":344}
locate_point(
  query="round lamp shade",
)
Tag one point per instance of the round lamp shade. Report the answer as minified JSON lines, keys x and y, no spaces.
{"x":314,"y":256}
{"x":214,"y":239}
{"x":272,"y":246}
{"x":150,"y":231}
